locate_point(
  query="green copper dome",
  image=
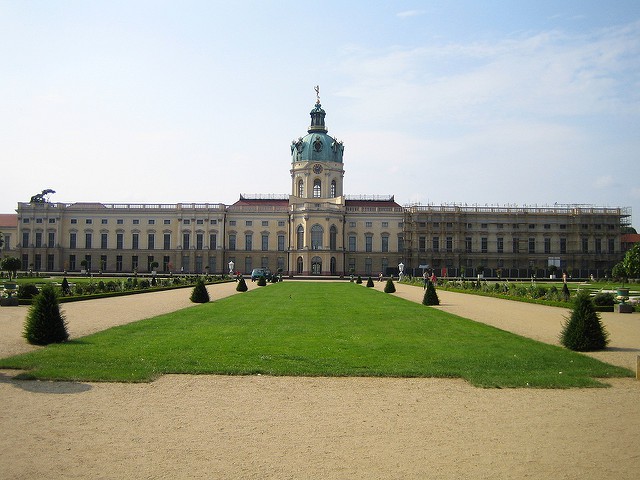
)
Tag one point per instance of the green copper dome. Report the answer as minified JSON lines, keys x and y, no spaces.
{"x":317,"y":146}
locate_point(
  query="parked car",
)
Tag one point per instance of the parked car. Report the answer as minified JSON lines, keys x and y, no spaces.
{"x":261,"y":272}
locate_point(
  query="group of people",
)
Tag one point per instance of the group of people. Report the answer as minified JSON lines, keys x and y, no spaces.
{"x":427,"y":278}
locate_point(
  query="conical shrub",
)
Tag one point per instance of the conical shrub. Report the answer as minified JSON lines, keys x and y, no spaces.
{"x":262,"y":281}
{"x":369,"y":282}
{"x":199,"y":293}
{"x":242,"y":285}
{"x":566,"y":295}
{"x":389,"y":287}
{"x":45,"y":323}
{"x":430,"y":295}
{"x":582,"y":331}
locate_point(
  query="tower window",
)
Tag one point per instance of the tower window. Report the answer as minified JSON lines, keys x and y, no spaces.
{"x":300,"y":188}
{"x":316,"y":188}
{"x":333,"y":189}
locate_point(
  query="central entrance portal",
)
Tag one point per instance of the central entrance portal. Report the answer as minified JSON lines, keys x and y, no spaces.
{"x":316,"y":266}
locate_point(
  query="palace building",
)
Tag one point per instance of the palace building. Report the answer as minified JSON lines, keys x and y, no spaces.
{"x":315,"y":230}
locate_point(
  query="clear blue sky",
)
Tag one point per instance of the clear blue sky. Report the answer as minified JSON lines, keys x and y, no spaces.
{"x":492,"y":102}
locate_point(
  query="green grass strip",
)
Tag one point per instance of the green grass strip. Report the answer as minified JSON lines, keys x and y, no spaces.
{"x":314,"y":329}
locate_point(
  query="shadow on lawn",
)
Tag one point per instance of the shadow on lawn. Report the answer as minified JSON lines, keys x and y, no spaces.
{"x":39,"y":386}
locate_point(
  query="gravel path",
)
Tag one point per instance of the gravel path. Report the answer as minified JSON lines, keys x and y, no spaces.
{"x":183,"y":426}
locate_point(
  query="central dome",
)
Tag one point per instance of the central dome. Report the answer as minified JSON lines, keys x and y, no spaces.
{"x":317,"y":146}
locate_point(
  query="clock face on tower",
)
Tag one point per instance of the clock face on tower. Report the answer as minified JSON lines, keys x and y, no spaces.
{"x":317,"y":168}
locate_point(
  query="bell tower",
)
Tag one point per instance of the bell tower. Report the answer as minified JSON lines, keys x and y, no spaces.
{"x":317,"y":200}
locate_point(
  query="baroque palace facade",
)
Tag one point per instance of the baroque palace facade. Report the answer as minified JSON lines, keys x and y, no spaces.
{"x":316,"y":230}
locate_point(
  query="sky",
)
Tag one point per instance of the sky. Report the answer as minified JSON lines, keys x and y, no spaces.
{"x":437,"y":102}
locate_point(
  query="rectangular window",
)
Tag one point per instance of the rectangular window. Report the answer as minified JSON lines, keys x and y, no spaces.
{"x":213,"y":241}
{"x":547,"y":245}
{"x":52,"y":220}
{"x":73,"y":221}
{"x":119,"y":241}
{"x":26,"y":220}
{"x":232,"y":241}
{"x":265,"y":223}
{"x":368,"y":224}
{"x":368,"y":239}
{"x":484,"y":225}
{"x":352,"y":224}
{"x":199,"y":241}
{"x":166,"y":241}
{"x":484,"y":244}
{"x":134,"y":262}
{"x":118,"y":263}
{"x":186,"y":241}
{"x":532,"y":245}
{"x":281,"y":223}
{"x":516,"y":245}
{"x":281,"y":243}
{"x":422,"y":244}
{"x":532,"y":226}
{"x":87,"y":240}
{"x":435,"y":244}
{"x":467,"y":244}
{"x":51,"y":241}
{"x":120,"y":221}
{"x":248,"y":223}
{"x":585,"y":245}
{"x":547,"y":226}
{"x":500,"y":245}
{"x":50,"y":259}
{"x":103,"y":241}
{"x":449,"y":244}
{"x":151,"y":241}
{"x":25,"y":239}
{"x":134,"y":241}
{"x":166,"y":221}
{"x":265,"y":243}
{"x":152,"y":221}
{"x":232,"y":223}
{"x":385,"y":224}
{"x":563,"y":245}
{"x":352,"y":243}
{"x":38,"y":239}
{"x":72,"y":262}
{"x":72,"y":240}
{"x":136,"y":221}
{"x":200,"y":222}
{"x":598,"y":245}
{"x":400,"y":243}
{"x":248,"y":242}
{"x":103,"y":262}
{"x":213,"y":222}
{"x":104,"y":221}
{"x":385,"y":243}
{"x":612,"y":245}
{"x":88,"y":221}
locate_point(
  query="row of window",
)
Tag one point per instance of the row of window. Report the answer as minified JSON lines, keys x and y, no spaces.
{"x":516,"y":245}
{"x":516,"y":226}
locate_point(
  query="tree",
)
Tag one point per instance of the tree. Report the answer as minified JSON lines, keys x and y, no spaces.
{"x":389,"y":287}
{"x":430,"y":295}
{"x":583,"y":331}
{"x":631,"y":262}
{"x":66,"y":288}
{"x":199,"y":293}
{"x":11,"y":265}
{"x":566,"y":294}
{"x":369,"y":282}
{"x":45,"y":323}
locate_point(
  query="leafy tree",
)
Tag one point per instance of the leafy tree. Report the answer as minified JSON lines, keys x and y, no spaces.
{"x":389,"y":287}
{"x":583,"y":331}
{"x":199,"y":293}
{"x":45,"y":323}
{"x":430,"y":295}
{"x":631,"y":262}
{"x":242,"y":285}
{"x":11,"y":265}
{"x":369,"y":282}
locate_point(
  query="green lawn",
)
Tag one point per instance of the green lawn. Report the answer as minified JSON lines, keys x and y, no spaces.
{"x":314,"y":329}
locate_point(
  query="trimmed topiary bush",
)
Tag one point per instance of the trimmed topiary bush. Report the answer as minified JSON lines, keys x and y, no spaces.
{"x":565,"y":293}
{"x":583,"y":331}
{"x":262,"y":281}
{"x":430,"y":295}
{"x":389,"y":287}
{"x":66,"y":288}
{"x":27,"y":290}
{"x":370,"y":282}
{"x":242,"y":285}
{"x":45,"y":323}
{"x":359,"y":279}
{"x":200,"y":293}
{"x":604,"y":299}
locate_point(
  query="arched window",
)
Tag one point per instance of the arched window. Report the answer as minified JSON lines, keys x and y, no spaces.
{"x":316,"y":237}
{"x":300,"y":188}
{"x":300,"y":237}
{"x":333,"y":237}
{"x":332,"y":266}
{"x":333,"y":188}
{"x":300,"y":265}
{"x":316,"y":188}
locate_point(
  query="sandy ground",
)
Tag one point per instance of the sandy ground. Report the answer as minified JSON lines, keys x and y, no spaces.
{"x":258,"y":427}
